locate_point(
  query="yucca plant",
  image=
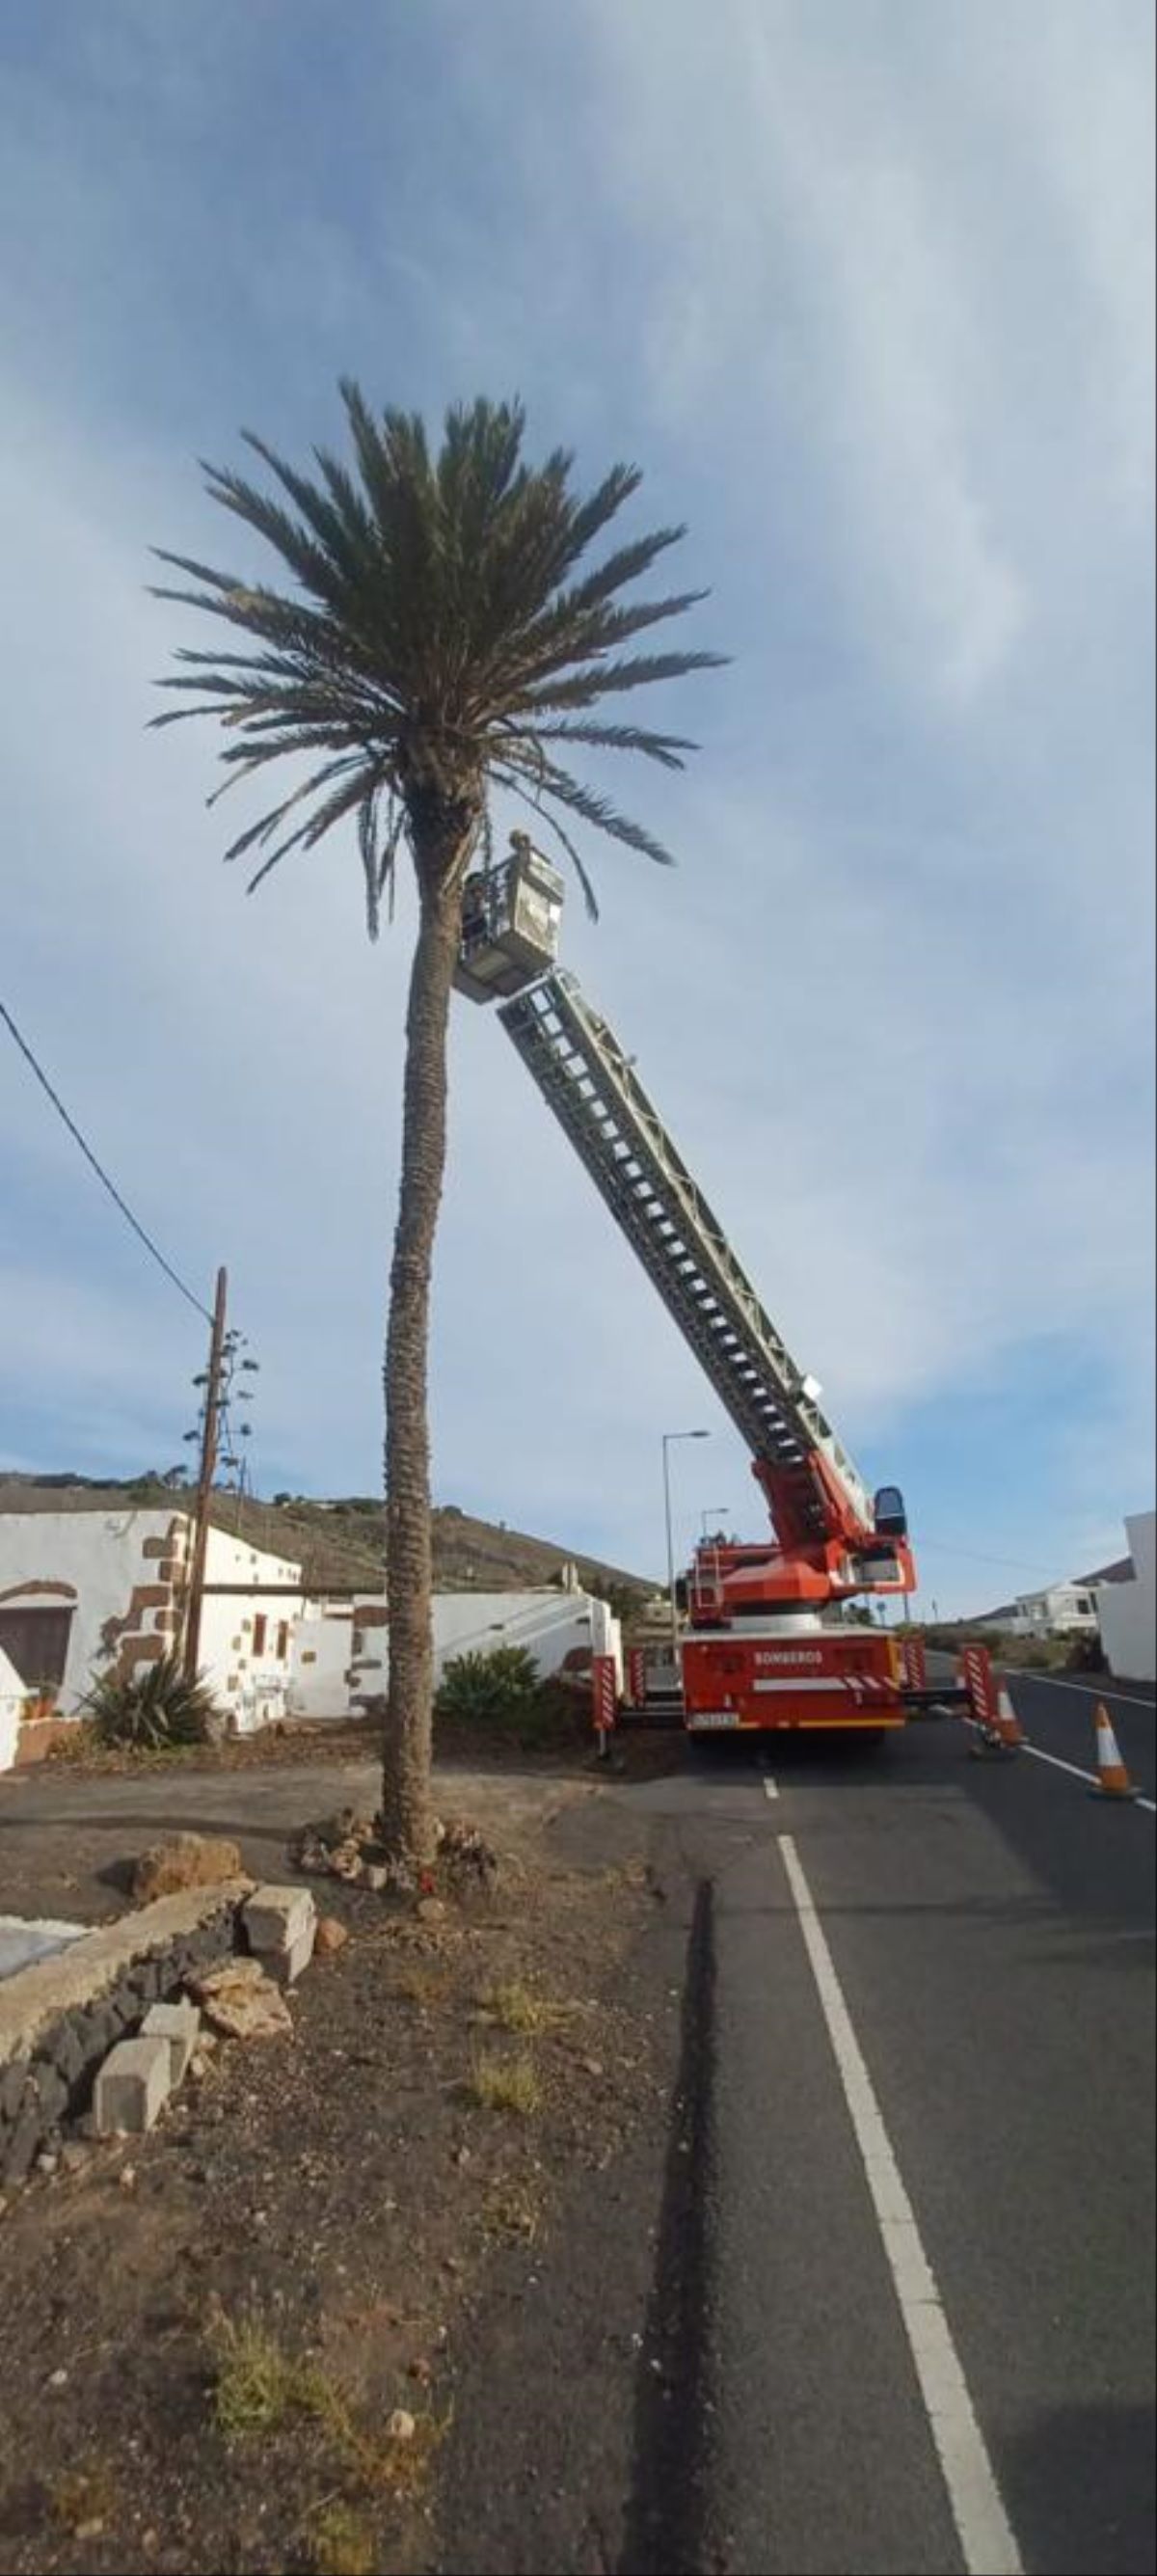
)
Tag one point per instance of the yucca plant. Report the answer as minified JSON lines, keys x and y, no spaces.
{"x":439,"y":640}
{"x":153,"y":1710}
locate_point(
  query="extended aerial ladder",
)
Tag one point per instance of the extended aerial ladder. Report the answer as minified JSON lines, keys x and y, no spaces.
{"x":759,"y":1652}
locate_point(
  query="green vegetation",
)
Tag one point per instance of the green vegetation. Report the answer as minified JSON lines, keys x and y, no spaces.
{"x":156,"y":1710}
{"x":258,"y":2387}
{"x":261,"y":2390}
{"x":502,"y":1692}
{"x":505,"y":2083}
{"x":516,"y":2007}
{"x":342,"y":2541}
{"x":498,"y":1685}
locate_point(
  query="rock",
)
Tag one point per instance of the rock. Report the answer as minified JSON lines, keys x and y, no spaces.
{"x":73,"y":2156}
{"x":51,"y":2093}
{"x":376,"y":1877}
{"x":21,"y":2147}
{"x":57,"y":2379}
{"x":346,"y":1862}
{"x":184,"y":1860}
{"x":464,"y":1854}
{"x":132,"y":2086}
{"x":67,"y":2054}
{"x":430,"y":1909}
{"x":329,"y":1936}
{"x":401,"y":2425}
{"x":242,"y":2002}
{"x":12,"y":2084}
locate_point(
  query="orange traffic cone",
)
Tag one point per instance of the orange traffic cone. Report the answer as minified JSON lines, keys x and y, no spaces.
{"x":1112,"y":1777}
{"x":1008,"y":1725}
{"x":1000,"y":1736}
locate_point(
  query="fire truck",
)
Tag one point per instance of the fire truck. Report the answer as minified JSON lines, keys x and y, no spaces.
{"x":766,"y":1642}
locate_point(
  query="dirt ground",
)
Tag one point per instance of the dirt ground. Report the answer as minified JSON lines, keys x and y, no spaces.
{"x":208,"y":2332}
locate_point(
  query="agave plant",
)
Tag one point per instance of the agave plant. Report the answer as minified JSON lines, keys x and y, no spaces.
{"x":152,"y":1710}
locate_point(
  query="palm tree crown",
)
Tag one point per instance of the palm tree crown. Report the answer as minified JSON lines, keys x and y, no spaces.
{"x":440,"y":640}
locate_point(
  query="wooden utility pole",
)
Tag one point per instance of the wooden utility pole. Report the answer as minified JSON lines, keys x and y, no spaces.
{"x":209,"y":1431}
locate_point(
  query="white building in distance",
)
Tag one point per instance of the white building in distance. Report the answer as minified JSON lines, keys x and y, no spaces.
{"x":1128,"y":1609}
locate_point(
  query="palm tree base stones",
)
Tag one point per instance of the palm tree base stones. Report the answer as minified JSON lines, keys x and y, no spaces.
{"x":350,"y":1847}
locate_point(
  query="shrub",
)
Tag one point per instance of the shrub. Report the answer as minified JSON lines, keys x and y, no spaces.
{"x":500,"y":1685}
{"x":153,"y":1711}
{"x":505,"y":2084}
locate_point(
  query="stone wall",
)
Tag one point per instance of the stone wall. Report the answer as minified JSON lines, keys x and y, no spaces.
{"x":49,"y":2059}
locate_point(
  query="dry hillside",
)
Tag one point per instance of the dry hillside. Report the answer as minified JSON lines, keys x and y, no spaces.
{"x":339,"y":1544}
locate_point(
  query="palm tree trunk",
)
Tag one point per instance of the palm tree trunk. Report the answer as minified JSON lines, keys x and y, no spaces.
{"x":407,"y":1816}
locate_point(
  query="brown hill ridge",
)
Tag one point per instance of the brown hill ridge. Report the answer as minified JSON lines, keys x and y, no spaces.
{"x":340,"y":1544}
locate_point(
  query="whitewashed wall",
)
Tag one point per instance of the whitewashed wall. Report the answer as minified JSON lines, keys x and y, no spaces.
{"x":1128,"y":1611}
{"x":94,"y":1561}
{"x":250,"y":1679}
{"x":12,"y":1698}
{"x":549,"y":1624}
{"x":318,"y":1681}
{"x":120,"y":1572}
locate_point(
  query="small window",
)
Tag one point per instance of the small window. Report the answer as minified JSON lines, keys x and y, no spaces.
{"x":282,"y":1640}
{"x":259,"y":1627}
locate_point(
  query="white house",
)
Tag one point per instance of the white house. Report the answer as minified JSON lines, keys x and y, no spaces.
{"x":89,"y":1592}
{"x":1128,"y":1610}
{"x":1061,"y":1610}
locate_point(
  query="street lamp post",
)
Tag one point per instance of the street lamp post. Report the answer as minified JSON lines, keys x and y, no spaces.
{"x":668,"y":1437}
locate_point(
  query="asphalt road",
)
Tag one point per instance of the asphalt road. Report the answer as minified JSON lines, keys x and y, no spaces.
{"x":882,"y":2298}
{"x":988,"y":1930}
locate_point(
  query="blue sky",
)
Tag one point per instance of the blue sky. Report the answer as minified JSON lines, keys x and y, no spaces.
{"x":867,"y":291}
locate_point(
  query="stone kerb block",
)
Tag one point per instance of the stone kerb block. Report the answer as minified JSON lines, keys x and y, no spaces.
{"x":133,"y":2085}
{"x":279,"y":1924}
{"x":179,"y":2024}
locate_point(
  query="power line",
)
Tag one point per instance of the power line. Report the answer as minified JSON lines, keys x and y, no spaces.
{"x":1014,"y":1564}
{"x":98,"y":1168}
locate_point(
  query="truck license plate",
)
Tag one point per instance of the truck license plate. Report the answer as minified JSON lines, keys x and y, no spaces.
{"x":713,"y":1717}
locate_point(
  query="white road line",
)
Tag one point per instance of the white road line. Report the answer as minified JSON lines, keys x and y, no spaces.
{"x":770,"y":1786}
{"x":1073,"y":1768}
{"x":986,"y":2537}
{"x":1093,"y":1690}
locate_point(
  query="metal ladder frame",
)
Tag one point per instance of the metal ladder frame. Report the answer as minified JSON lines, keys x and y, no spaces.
{"x":592,"y":1088}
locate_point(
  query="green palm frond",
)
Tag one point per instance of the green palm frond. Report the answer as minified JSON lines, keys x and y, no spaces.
{"x":440,"y":637}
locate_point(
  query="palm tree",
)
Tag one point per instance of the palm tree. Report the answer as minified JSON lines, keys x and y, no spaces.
{"x":439,"y":641}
